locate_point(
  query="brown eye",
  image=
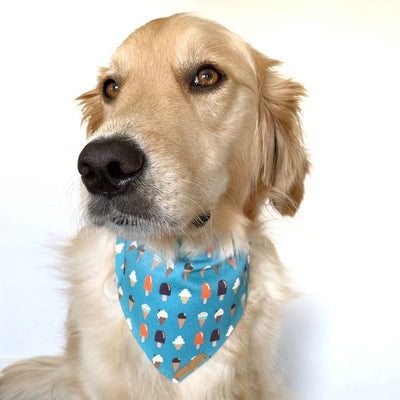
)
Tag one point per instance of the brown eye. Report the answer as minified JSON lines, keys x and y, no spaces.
{"x":206,"y":77}
{"x":110,"y":89}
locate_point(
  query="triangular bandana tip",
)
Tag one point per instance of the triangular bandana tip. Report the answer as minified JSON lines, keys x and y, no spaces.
{"x":180,"y":312}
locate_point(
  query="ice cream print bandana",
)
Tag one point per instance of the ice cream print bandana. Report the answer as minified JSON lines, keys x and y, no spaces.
{"x":180,"y":312}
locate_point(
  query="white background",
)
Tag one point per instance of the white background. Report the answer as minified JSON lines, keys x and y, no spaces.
{"x":341,"y":338}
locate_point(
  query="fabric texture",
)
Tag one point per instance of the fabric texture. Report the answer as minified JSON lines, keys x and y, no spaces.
{"x":180,"y":312}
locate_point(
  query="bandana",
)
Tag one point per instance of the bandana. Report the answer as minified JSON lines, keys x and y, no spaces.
{"x":180,"y":312}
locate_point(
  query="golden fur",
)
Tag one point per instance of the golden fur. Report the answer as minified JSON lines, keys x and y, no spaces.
{"x":227,"y":152}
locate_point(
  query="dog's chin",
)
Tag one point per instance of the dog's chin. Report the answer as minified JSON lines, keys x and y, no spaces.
{"x":145,"y":222}
{"x":135,"y":226}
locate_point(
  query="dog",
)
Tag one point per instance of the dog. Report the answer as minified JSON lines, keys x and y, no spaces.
{"x":191,"y":133}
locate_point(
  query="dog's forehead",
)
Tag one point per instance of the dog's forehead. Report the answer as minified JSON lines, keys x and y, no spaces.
{"x":178,"y":41}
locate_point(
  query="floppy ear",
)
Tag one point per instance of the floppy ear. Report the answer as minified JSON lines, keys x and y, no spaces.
{"x":92,"y":104}
{"x":92,"y":110}
{"x":283,"y":162}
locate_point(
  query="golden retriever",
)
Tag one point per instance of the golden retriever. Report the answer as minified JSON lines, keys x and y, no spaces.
{"x":190,"y":133}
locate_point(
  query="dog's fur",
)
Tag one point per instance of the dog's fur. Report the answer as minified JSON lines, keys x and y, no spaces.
{"x":227,"y":152}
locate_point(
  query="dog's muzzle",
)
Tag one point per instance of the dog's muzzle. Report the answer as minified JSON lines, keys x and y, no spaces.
{"x":112,"y":165}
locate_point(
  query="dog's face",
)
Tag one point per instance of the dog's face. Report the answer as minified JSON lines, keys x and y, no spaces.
{"x":185,"y":122}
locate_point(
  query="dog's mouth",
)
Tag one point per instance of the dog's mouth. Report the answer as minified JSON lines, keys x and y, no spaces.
{"x":129,"y":217}
{"x":140,"y":218}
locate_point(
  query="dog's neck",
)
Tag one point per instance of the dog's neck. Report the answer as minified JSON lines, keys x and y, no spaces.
{"x":226,"y":231}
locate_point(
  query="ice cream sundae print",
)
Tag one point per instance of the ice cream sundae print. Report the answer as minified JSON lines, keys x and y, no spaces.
{"x":180,"y":311}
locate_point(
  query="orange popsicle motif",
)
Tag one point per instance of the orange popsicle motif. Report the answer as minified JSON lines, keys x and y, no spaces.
{"x":148,"y":284}
{"x":144,"y":332}
{"x":199,"y":339}
{"x":206,"y":292}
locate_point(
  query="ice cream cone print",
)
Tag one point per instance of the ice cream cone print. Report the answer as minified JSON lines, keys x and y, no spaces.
{"x":132,"y":246}
{"x":120,"y":292}
{"x":233,"y":308}
{"x":188,"y":269}
{"x":216,"y":269}
{"x":185,"y":295}
{"x":123,"y":267}
{"x":142,"y":249}
{"x":119,"y":247}
{"x":232,"y":261}
{"x":209,"y":251}
{"x":157,"y":361}
{"x":175,"y":363}
{"x":162,"y":315}
{"x":202,"y":318}
{"x":146,"y":310}
{"x":133,"y":278}
{"x":218,"y":315}
{"x":243,"y":300}
{"x":203,"y":270}
{"x":178,"y":342}
{"x":170,"y":268}
{"x":181,"y":319}
{"x":131,"y":301}
{"x":236,"y":285}
{"x":156,"y":261}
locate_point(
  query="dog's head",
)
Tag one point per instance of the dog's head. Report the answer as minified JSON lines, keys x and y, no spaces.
{"x":190,"y":130}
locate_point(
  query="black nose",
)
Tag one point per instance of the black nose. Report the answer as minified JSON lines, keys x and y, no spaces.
{"x":109,"y":166}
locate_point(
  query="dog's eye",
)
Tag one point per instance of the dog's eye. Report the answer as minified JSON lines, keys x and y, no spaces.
{"x":206,"y":77}
{"x":110,"y":89}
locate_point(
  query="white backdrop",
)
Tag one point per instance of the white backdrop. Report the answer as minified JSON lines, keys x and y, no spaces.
{"x":341,"y":338}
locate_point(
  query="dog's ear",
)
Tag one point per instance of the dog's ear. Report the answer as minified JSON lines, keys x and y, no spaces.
{"x":92,"y":109}
{"x":283,"y":162}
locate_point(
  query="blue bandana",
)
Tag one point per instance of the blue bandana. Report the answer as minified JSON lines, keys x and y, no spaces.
{"x":180,"y":312}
